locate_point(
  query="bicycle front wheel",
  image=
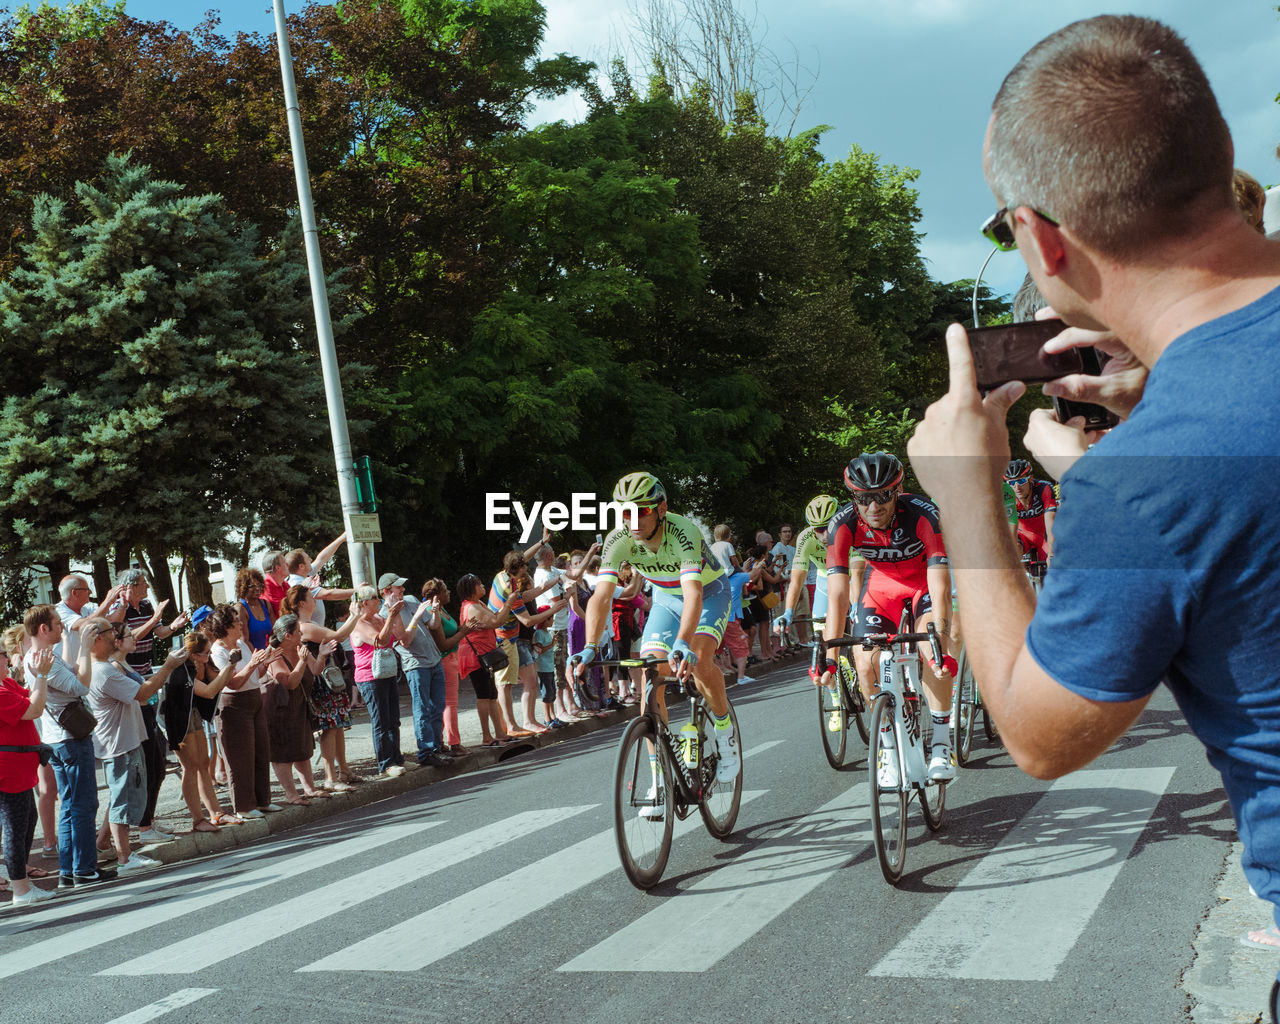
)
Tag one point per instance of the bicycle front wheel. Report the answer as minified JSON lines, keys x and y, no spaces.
{"x":719,"y":801}
{"x":833,"y":723}
{"x":933,"y":801}
{"x":851,"y":693}
{"x":643,"y":804}
{"x":888,"y":803}
{"x":964,"y":709}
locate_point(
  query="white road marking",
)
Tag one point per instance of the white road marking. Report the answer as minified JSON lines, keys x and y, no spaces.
{"x":153,"y":908}
{"x":183,"y":997}
{"x":436,"y":933}
{"x":731,"y":904}
{"x":215,"y":945}
{"x":1019,"y":912}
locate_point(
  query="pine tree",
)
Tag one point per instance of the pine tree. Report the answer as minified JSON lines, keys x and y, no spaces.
{"x":160,"y":389}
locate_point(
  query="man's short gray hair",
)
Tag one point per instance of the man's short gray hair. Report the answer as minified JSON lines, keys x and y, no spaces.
{"x":270,"y":559}
{"x":130,"y":577}
{"x":545,"y":551}
{"x":68,"y":585}
{"x":1110,"y":127}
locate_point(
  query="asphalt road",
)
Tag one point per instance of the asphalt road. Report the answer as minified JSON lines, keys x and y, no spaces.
{"x":497,"y":896}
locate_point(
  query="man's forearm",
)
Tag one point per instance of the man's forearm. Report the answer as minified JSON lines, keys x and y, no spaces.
{"x":989,"y":576}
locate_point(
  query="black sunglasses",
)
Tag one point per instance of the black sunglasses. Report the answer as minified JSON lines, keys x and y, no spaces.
{"x":999,"y":232}
{"x":873,"y":497}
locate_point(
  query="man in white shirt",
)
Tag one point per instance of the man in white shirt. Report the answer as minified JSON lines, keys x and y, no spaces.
{"x":304,"y":572}
{"x":72,"y":760}
{"x":74,"y":609}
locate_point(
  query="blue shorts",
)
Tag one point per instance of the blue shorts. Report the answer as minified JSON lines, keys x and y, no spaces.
{"x":664,"y":618}
{"x":819,"y":612}
{"x":127,"y":786}
{"x":547,"y":687}
{"x":524,"y":652}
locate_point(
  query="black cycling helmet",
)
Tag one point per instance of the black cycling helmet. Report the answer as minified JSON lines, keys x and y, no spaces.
{"x":873,"y":471}
{"x":1017,"y":468}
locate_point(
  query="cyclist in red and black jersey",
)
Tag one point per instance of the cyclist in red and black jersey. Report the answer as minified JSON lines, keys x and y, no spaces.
{"x":1036,"y":508}
{"x":900,"y":541}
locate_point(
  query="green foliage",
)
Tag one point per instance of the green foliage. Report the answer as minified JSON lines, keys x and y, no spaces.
{"x":158,"y":390}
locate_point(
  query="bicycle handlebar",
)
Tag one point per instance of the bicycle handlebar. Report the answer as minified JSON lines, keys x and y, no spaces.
{"x":627,"y":663}
{"x":870,"y":641}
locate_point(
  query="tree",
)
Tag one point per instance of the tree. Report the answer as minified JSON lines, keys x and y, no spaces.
{"x":712,"y":47}
{"x":160,"y":389}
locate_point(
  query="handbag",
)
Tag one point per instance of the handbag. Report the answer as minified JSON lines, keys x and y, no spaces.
{"x":385,"y":664}
{"x":770,"y":600}
{"x":333,"y":678}
{"x":492,"y":660}
{"x":76,"y":720}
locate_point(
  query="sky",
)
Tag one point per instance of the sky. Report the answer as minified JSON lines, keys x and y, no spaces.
{"x":913,"y":80}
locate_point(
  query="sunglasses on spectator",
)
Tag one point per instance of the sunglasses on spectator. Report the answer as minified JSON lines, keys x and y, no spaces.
{"x":873,"y":497}
{"x":1020,"y":481}
{"x":999,"y":232}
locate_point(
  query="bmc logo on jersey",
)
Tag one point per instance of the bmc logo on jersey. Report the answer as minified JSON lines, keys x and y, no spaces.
{"x":903,"y":554}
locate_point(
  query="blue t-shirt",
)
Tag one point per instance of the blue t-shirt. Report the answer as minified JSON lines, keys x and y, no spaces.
{"x":546,"y":661}
{"x":1166,"y":562}
{"x":737,"y":581}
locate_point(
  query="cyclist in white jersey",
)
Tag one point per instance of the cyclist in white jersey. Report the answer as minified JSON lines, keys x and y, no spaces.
{"x":690,"y":602}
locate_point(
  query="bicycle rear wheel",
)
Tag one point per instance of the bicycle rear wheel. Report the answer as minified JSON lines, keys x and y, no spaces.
{"x":888,"y":804}
{"x":719,"y":802}
{"x":963,"y":709}
{"x":833,"y":723}
{"x":933,"y":801}
{"x":639,"y":785}
{"x":853,"y":698}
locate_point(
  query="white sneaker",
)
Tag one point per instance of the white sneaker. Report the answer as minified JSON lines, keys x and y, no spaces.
{"x":743,"y":680}
{"x":728,"y":762}
{"x":655,"y":809}
{"x":395,"y":771}
{"x":33,"y":895}
{"x":137,"y":863}
{"x":155,"y":835}
{"x":887,"y":769}
{"x":942,"y":766}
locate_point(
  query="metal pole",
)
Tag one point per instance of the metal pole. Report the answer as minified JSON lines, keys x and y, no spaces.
{"x":360,"y":555}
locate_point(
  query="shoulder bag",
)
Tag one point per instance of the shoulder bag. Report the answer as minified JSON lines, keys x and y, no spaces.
{"x":492,"y":660}
{"x":76,"y":720}
{"x":385,"y":664}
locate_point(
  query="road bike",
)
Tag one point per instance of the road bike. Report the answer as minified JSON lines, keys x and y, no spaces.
{"x":837,"y":705}
{"x":1035,"y":570}
{"x":662,"y":774}
{"x":966,"y":710}
{"x":902,"y":708}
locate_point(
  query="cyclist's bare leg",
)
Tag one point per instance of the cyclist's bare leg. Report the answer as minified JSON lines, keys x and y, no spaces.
{"x":867,"y":665}
{"x":708,"y":678}
{"x":938,"y":690}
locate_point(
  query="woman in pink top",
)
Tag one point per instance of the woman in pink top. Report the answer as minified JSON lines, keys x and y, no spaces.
{"x":475,"y":609}
{"x":381,"y":696}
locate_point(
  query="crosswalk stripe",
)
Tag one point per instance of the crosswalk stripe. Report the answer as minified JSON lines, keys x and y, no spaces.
{"x":175,"y":1001}
{"x":435,"y":934}
{"x":109,"y":927}
{"x":731,"y":904}
{"x":1019,"y":912}
{"x":243,"y":934}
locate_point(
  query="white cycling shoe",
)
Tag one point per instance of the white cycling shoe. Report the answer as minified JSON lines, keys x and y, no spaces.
{"x":887,"y":769}
{"x":728,"y":763}
{"x":655,"y":807}
{"x":942,"y":766}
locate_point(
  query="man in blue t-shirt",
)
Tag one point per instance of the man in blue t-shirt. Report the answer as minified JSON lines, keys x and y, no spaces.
{"x":1164,"y":549}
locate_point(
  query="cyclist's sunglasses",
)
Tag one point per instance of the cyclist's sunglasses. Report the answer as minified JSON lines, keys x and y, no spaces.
{"x":874,"y":497}
{"x":1020,"y":481}
{"x":999,"y":232}
{"x":644,"y":510}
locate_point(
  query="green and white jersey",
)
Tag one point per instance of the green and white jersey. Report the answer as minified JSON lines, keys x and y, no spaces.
{"x":811,"y":551}
{"x":683,"y":554}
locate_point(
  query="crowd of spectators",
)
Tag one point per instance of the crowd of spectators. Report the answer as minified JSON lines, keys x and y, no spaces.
{"x":256,"y":687}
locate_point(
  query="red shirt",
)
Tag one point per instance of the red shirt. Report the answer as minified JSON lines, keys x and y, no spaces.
{"x":902,"y":551}
{"x":473,"y":644}
{"x":17,"y":771}
{"x":273,"y":593}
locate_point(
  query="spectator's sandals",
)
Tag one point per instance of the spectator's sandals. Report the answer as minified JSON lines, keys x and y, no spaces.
{"x":36,"y":872}
{"x":209,"y":826}
{"x":225,"y":818}
{"x":1262,"y":938}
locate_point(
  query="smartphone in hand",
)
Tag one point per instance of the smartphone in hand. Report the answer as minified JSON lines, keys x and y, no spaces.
{"x":1008,"y":352}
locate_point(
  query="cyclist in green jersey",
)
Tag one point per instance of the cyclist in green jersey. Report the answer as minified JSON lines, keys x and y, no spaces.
{"x":690,"y":602}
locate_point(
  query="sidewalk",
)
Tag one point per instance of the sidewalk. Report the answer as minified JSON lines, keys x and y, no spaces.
{"x":172,"y":815}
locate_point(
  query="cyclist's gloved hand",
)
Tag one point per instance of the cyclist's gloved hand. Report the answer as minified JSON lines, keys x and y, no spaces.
{"x":949,"y":663}
{"x":680,"y":652}
{"x":784,"y":620}
{"x":585,"y":656}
